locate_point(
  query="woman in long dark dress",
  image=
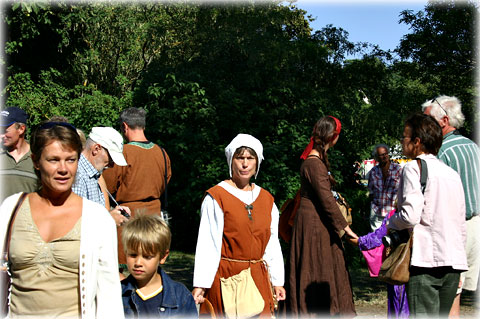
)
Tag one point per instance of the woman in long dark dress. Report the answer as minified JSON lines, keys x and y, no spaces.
{"x":319,"y":280}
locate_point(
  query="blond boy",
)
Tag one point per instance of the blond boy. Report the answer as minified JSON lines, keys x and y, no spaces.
{"x":148,"y":291}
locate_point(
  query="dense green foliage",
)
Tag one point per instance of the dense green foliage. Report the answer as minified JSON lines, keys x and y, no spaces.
{"x":206,"y":72}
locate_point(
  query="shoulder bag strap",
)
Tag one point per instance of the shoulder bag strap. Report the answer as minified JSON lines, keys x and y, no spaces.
{"x":423,"y":173}
{"x":10,"y":223}
{"x":166,"y":180}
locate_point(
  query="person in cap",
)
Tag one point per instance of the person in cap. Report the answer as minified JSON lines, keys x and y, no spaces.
{"x":141,"y":183}
{"x":103,"y":148}
{"x":238,"y":239}
{"x":319,"y":279}
{"x":16,"y":166}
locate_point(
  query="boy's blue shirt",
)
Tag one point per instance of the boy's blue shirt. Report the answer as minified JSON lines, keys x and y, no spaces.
{"x":177,"y":299}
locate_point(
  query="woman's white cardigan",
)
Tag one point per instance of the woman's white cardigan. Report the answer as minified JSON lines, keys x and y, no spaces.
{"x":100,"y":292}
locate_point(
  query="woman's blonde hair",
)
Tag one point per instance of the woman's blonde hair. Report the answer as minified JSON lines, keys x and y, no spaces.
{"x":83,"y":138}
{"x":150,"y":233}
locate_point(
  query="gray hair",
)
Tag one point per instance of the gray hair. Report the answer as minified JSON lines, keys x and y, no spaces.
{"x":134,"y":117}
{"x":449,"y":105}
{"x":376,"y":147}
{"x":89,"y":143}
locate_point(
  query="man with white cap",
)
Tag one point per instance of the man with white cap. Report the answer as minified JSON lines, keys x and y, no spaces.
{"x":16,"y":166}
{"x":103,"y":148}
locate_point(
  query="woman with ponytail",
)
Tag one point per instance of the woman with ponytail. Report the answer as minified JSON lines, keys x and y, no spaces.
{"x":319,"y":280}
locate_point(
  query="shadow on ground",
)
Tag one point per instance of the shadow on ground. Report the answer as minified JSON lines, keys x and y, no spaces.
{"x":370,"y":294}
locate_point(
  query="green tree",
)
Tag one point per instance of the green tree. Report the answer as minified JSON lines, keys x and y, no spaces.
{"x":84,"y":106}
{"x":238,"y":72}
{"x":442,"y":45}
{"x":208,"y":71}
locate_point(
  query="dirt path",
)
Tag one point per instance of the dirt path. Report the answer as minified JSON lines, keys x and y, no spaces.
{"x":370,"y":294}
{"x":371,"y":298}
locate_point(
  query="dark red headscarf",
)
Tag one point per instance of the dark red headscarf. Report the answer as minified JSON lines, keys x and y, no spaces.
{"x":338,"y":128}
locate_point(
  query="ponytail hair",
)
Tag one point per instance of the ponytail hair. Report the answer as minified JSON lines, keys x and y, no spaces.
{"x":324,"y":132}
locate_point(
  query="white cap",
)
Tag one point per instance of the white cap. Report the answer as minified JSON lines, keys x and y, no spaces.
{"x":244,"y":140}
{"x":109,"y":138}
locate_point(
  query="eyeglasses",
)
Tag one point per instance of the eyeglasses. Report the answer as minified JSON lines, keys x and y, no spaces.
{"x":48,"y":125}
{"x":110,"y":159}
{"x":441,"y":107}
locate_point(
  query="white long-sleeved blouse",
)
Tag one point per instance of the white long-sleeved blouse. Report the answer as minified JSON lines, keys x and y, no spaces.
{"x":437,"y":216}
{"x":209,"y":243}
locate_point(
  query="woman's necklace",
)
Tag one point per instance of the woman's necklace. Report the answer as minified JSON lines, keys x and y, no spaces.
{"x":250,"y":207}
{"x":249,"y":210}
{"x":247,"y":206}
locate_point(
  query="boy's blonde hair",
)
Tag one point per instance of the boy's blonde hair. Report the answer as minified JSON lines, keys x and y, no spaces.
{"x":148,"y":232}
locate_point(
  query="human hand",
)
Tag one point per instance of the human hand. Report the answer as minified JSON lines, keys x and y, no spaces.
{"x":349,"y":232}
{"x":117,"y":215}
{"x":197,"y":294}
{"x":353,"y":241}
{"x":280,"y":293}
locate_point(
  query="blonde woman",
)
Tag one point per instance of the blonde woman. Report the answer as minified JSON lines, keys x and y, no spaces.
{"x":62,"y":254}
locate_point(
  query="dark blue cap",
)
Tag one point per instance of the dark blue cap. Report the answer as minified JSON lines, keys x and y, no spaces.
{"x":12,"y":115}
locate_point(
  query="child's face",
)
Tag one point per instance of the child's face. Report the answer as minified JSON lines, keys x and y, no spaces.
{"x":143,"y":267}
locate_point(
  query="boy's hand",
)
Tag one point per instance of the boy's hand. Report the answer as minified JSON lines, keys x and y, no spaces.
{"x":197,"y":294}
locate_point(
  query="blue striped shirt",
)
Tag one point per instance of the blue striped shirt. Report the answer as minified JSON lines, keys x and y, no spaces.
{"x":463,"y":155}
{"x":86,"y":182}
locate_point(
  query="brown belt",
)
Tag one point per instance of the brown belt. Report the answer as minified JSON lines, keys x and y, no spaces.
{"x":243,"y":261}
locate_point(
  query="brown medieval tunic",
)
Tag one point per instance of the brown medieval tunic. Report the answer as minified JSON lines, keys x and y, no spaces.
{"x":243,"y":239}
{"x":319,"y":280}
{"x":140,"y":184}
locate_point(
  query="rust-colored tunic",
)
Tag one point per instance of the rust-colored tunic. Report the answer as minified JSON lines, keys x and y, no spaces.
{"x":243,"y":239}
{"x":319,"y":280}
{"x":140,"y":184}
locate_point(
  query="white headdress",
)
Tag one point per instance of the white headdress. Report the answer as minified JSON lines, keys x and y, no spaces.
{"x":244,"y":140}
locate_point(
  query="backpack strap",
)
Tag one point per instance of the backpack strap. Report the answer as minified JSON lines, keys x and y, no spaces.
{"x":423,"y":173}
{"x":165,"y":193}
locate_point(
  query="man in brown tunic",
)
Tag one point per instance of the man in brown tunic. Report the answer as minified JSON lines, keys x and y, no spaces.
{"x":140,"y":184}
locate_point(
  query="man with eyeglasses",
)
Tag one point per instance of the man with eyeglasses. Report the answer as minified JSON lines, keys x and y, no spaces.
{"x":103,"y":148}
{"x":383,"y":181}
{"x":16,"y":166}
{"x":463,"y":155}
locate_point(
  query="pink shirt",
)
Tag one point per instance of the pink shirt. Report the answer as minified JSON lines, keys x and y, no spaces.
{"x":437,"y":216}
